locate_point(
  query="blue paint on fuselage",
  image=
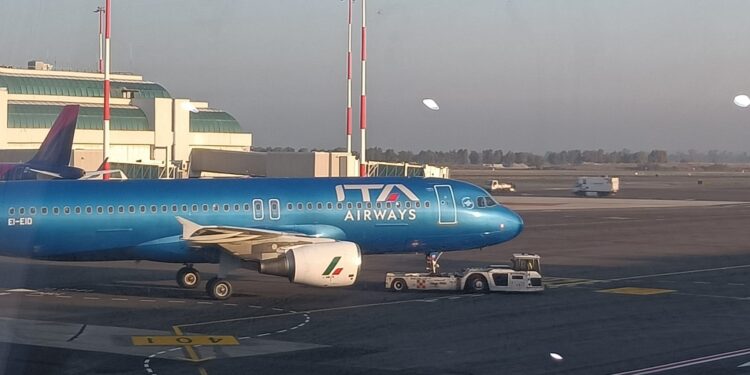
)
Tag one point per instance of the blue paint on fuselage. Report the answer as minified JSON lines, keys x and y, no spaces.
{"x":135,"y":219}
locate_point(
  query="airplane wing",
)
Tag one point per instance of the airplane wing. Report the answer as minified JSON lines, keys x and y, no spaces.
{"x":245,"y":243}
{"x":49,"y":174}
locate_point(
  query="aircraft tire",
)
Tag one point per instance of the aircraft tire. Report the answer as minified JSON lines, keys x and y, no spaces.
{"x":477,"y":284}
{"x":219,"y":289}
{"x":188,"y":278}
{"x":399,"y":285}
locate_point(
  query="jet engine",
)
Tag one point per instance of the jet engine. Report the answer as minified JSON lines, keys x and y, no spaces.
{"x":323,"y":264}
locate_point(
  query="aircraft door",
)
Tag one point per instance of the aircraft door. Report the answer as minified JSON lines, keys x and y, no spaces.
{"x":446,"y":204}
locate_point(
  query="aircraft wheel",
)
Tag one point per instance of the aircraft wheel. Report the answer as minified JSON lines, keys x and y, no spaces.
{"x":477,"y":284}
{"x":399,"y":285}
{"x":188,"y":278}
{"x":219,"y":289}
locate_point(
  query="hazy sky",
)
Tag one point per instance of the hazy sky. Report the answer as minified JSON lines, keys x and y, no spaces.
{"x":526,"y":75}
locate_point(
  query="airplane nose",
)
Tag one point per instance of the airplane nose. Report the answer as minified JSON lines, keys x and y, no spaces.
{"x":512,"y":223}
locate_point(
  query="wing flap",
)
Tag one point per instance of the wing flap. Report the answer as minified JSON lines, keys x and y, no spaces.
{"x":244,"y":243}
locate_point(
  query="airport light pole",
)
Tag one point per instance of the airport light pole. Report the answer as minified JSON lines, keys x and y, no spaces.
{"x":363,"y":97}
{"x":349,"y":84}
{"x":100,"y":65}
{"x":106,"y":116}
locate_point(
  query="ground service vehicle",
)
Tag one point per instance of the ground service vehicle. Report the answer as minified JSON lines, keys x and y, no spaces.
{"x":523,"y":275}
{"x":495,"y":186}
{"x":596,"y":186}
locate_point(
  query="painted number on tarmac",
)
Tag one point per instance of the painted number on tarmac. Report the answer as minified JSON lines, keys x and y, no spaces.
{"x":183,"y":340}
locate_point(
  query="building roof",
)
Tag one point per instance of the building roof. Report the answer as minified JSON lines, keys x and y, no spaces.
{"x":30,"y":85}
{"x":43,"y":116}
{"x":213,"y":121}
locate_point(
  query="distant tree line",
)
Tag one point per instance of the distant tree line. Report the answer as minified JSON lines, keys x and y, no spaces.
{"x":507,"y":158}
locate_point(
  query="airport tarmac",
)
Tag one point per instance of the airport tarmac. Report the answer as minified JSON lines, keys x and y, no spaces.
{"x":631,"y":289}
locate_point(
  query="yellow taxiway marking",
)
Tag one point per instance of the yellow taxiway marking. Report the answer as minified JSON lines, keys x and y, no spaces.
{"x":183,"y":340}
{"x":636,"y":291}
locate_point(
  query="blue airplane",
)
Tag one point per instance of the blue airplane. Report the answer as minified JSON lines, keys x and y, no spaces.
{"x":53,"y":157}
{"x":311,"y":230}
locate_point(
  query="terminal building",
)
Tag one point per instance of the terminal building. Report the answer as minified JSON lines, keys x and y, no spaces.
{"x":152,"y":133}
{"x":148,"y":126}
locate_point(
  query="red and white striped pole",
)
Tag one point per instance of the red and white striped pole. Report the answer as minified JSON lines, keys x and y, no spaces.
{"x":100,"y":10}
{"x":105,"y":141}
{"x":363,"y":97}
{"x":349,"y":85}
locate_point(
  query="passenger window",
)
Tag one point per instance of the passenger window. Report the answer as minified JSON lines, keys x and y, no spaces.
{"x":184,"y":208}
{"x":99,"y":209}
{"x":66,"y":210}
{"x":121,"y":209}
{"x":417,"y":204}
{"x":289,"y":206}
{"x":111,"y":209}
{"x":388,"y":204}
{"x":89,"y":210}
{"x":78,"y":210}
{"x":246,"y":207}
{"x":359,"y":205}
{"x":320,"y":206}
{"x":349,"y":205}
{"x":11,"y":211}
{"x":21,"y":211}
{"x":44,"y":210}
{"x":257,"y":209}
{"x":299,"y":206}
{"x":237,"y":207}
{"x":329,"y":205}
{"x":273,"y":209}
{"x":195,"y":208}
{"x":309,"y":206}
{"x":143,"y":209}
{"x":379,"y":205}
{"x":32,"y":211}
{"x":226,"y":208}
{"x":215,"y":207}
{"x":490,"y":201}
{"x":131,"y":209}
{"x":153,"y":208}
{"x":164,"y":208}
{"x":339,"y":205}
{"x":408,"y":204}
{"x":427,"y":204}
{"x":205,"y":208}
{"x":56,"y":210}
{"x":175,"y":208}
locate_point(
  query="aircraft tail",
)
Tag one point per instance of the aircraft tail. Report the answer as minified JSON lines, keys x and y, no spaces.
{"x":56,"y":148}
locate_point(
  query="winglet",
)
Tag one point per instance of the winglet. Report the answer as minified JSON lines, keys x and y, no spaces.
{"x":188,"y":227}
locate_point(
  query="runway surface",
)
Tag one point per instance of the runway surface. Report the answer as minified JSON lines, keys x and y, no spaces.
{"x":631,"y":289}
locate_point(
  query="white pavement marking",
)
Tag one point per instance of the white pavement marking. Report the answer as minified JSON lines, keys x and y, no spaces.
{"x":701,"y":282}
{"x":563,"y":203}
{"x":736,"y":284}
{"x":678,"y":273}
{"x":21,"y":290}
{"x":147,"y":364}
{"x":119,"y":299}
{"x":91,"y":298}
{"x":4,"y":294}
{"x":687,"y":363}
{"x":146,"y":300}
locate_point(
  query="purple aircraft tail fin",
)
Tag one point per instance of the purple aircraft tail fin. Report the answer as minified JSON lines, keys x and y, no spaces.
{"x":56,"y":148}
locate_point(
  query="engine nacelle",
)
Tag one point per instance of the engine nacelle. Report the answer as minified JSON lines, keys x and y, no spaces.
{"x":324,"y":264}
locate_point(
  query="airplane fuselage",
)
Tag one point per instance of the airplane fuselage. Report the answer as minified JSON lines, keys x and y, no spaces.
{"x":136,"y":220}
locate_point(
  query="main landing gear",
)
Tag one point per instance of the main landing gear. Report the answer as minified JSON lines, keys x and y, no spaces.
{"x":216,"y":288}
{"x":188,"y":277}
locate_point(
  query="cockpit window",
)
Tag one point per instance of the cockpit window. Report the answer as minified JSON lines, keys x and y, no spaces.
{"x":486,"y":202}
